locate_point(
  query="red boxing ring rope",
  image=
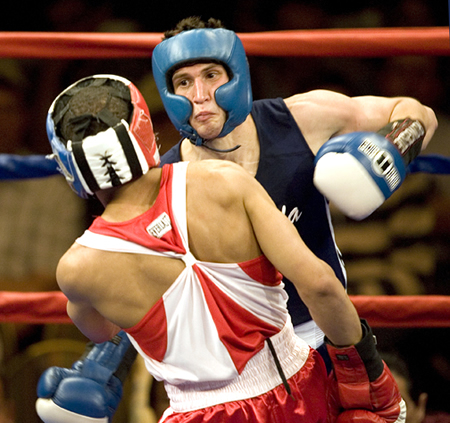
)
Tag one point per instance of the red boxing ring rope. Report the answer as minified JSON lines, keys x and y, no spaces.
{"x":365,"y":42}
{"x":380,"y":311}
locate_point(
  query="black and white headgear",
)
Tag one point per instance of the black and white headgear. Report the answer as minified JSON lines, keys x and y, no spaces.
{"x":123,"y":152}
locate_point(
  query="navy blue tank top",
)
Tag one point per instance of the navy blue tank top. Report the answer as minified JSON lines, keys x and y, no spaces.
{"x":285,"y":170}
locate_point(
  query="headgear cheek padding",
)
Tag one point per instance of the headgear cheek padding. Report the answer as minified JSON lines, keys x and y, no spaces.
{"x":218,"y":45}
{"x":109,"y":158}
{"x":142,"y":128}
{"x":105,"y":160}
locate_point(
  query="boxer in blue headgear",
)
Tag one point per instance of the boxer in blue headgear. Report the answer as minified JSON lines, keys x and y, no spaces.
{"x":351,"y":150}
{"x":206,"y":44}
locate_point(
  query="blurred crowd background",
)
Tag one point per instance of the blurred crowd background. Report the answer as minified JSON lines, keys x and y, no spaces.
{"x":402,"y":249}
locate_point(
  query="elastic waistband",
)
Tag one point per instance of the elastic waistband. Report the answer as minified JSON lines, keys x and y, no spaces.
{"x":259,"y":376}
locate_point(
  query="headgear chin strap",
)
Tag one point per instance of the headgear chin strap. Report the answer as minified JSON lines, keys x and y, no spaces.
{"x":217,"y":44}
{"x":123,"y":152}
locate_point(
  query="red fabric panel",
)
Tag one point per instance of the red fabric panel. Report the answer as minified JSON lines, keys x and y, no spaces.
{"x":151,"y":332}
{"x":241,"y":341}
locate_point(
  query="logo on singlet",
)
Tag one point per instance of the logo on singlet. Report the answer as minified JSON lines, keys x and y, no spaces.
{"x":294,"y":215}
{"x":160,"y":226}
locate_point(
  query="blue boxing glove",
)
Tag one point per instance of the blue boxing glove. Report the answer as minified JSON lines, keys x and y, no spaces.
{"x":92,"y":389}
{"x":358,"y":171}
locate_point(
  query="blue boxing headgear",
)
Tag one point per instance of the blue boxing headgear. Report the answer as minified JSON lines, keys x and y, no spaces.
{"x":218,"y":45}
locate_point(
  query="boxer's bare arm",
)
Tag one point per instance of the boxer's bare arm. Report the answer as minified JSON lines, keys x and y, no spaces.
{"x":322,"y":114}
{"x":75,"y":279}
{"x":315,"y":281}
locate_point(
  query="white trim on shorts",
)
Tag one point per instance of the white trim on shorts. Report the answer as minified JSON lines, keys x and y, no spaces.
{"x":259,"y":376}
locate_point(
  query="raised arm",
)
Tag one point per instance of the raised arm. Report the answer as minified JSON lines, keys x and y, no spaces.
{"x":383,"y":110}
{"x":363,"y":145}
{"x":322,"y":114}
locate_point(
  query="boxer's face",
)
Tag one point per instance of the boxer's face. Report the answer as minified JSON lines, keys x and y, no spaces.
{"x":198,"y":84}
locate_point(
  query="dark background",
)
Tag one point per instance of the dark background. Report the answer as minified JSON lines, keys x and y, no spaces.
{"x":158,"y":16}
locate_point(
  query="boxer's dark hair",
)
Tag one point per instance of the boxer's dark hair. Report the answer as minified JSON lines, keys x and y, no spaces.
{"x":193,"y":22}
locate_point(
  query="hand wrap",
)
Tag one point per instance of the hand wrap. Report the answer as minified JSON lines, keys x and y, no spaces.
{"x":407,"y":135}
